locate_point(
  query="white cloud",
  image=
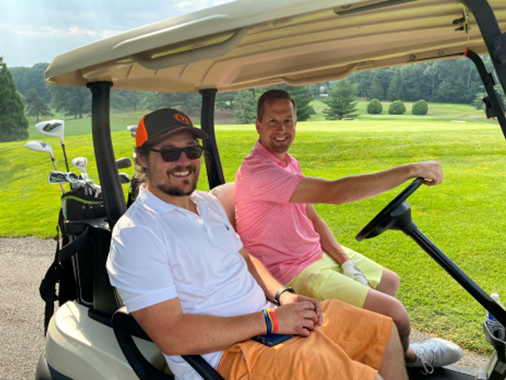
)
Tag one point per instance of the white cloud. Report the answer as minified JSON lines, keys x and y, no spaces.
{"x":70,"y":32}
{"x":200,"y":4}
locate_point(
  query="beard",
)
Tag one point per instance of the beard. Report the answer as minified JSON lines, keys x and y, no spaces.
{"x":178,"y":191}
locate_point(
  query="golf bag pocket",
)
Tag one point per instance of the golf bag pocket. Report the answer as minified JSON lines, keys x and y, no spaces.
{"x":76,"y":208}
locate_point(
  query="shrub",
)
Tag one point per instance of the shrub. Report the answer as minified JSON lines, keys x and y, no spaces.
{"x":374,"y":107}
{"x":420,"y":108}
{"x":397,"y":108}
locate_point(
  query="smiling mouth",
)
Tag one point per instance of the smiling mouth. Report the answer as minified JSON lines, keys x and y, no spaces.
{"x":281,"y":138}
{"x":181,"y":174}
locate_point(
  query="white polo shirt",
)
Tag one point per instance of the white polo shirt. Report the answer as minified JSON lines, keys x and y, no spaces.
{"x":160,"y":251}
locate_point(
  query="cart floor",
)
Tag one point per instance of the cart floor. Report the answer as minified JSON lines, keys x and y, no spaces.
{"x":446,"y":373}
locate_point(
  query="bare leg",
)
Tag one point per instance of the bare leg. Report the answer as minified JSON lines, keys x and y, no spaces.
{"x":389,"y":284}
{"x":393,"y":366}
{"x":387,"y":305}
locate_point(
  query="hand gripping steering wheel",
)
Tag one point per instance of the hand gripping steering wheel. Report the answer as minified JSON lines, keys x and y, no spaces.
{"x":394,"y":216}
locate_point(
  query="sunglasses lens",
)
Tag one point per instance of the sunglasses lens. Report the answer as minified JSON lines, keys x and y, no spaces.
{"x":193,"y":152}
{"x":171,"y":155}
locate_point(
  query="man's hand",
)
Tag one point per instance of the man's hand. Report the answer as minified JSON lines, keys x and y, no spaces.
{"x":299,"y":317}
{"x":351,"y":270}
{"x":431,"y":171}
{"x":313,"y":305}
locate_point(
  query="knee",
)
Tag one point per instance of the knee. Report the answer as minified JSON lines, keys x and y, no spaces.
{"x":390,"y":283}
{"x":400,"y":317}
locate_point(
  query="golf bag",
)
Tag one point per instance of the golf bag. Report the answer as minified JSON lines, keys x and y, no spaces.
{"x":72,"y":268}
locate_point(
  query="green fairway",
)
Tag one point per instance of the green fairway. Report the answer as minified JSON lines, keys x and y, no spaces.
{"x":464,"y":216}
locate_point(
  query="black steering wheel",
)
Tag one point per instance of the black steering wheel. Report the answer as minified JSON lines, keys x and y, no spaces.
{"x":391,"y":217}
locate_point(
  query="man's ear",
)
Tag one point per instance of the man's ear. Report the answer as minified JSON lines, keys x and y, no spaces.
{"x":257,"y":125}
{"x":140,"y":159}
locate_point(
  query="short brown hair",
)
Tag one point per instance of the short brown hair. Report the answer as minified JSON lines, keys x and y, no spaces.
{"x":268,"y":97}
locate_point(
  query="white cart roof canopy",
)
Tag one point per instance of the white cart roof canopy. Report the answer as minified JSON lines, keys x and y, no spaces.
{"x":249,"y":43}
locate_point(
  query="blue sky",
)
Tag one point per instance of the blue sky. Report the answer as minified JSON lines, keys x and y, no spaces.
{"x":33,"y":31}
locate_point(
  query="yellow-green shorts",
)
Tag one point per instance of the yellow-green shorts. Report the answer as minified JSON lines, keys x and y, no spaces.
{"x":324,"y":279}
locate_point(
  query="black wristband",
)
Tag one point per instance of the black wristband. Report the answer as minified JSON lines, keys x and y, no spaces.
{"x":281,"y":291}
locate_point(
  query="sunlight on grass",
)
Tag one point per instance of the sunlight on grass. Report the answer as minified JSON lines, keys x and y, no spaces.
{"x":465,"y":216}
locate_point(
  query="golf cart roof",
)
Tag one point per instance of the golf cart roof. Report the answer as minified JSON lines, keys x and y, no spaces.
{"x":249,"y":43}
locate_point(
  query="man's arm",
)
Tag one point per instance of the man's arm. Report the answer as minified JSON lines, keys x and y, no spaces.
{"x":270,"y":285}
{"x":177,"y":333}
{"x":355,"y":188}
{"x":327,"y":239}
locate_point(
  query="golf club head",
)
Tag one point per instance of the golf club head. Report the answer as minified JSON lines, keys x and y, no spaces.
{"x":123,"y":163}
{"x":80,"y":163}
{"x":51,"y":128}
{"x":83,"y":176}
{"x":40,"y":146}
{"x":61,"y":177}
{"x":132,"y":129}
{"x":124,"y":178}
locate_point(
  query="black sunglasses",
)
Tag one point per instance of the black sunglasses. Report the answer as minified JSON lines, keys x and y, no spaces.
{"x":173,"y":154}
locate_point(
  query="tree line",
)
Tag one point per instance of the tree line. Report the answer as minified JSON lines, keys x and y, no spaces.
{"x":448,"y":81}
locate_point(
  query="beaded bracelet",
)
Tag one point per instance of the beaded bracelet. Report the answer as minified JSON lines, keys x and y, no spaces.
{"x":274,"y":321}
{"x":266,"y":315}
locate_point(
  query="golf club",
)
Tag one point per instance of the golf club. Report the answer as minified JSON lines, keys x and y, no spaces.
{"x":40,"y":146}
{"x":124,"y":178}
{"x":81,"y":163}
{"x":54,"y":128}
{"x":61,"y":177}
{"x":123,"y":163}
{"x":132,"y":129}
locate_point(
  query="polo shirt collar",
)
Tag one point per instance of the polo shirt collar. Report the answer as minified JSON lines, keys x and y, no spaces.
{"x":260,"y":150}
{"x":154,"y":204}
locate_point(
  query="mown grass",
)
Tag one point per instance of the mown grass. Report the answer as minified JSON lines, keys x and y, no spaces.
{"x":464,"y":216}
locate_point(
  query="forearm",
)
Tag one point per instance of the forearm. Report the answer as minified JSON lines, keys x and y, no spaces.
{"x":355,"y":188}
{"x":262,"y":276}
{"x":195,"y":334}
{"x":328,"y":241}
{"x":330,"y":244}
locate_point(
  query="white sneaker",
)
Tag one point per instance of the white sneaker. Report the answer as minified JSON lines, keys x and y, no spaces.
{"x":435,"y":353}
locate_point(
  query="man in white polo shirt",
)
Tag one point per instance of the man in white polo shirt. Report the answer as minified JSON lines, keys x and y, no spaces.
{"x":182,"y":272}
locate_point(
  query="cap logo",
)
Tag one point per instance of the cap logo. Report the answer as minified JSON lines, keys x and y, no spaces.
{"x":182,"y":118}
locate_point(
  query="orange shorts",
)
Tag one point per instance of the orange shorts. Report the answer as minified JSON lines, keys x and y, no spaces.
{"x":349,"y":345}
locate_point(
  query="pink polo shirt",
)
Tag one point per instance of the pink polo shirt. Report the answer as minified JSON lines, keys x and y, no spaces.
{"x":277,"y":232}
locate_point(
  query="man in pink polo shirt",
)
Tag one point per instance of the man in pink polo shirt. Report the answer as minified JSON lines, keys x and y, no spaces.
{"x":278,"y":224}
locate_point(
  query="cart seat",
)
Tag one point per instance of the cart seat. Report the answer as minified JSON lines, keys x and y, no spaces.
{"x":226,"y":195}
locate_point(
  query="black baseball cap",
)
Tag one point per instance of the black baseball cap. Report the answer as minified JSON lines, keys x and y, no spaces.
{"x":157,"y":125}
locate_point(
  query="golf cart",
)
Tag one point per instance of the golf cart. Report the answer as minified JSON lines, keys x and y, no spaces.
{"x":235,"y":46}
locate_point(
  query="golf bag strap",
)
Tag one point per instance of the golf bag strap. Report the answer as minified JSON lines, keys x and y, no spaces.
{"x":47,"y":287}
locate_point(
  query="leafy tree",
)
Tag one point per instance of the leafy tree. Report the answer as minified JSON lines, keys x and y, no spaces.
{"x":126,"y":100}
{"x":302,"y":95}
{"x":375,"y":90}
{"x":225,"y":100}
{"x":374,"y":107}
{"x":341,"y":101}
{"x":477,"y":103}
{"x":27,"y":78}
{"x":74,"y":101}
{"x":13,"y":123}
{"x":395,"y":90}
{"x":245,"y":106}
{"x":187,"y":102}
{"x":420,"y":108}
{"x":397,"y":108}
{"x":35,"y":106}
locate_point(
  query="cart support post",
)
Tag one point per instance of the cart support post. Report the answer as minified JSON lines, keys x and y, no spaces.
{"x":114,"y":199}
{"x":494,"y":39}
{"x":212,"y":156}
